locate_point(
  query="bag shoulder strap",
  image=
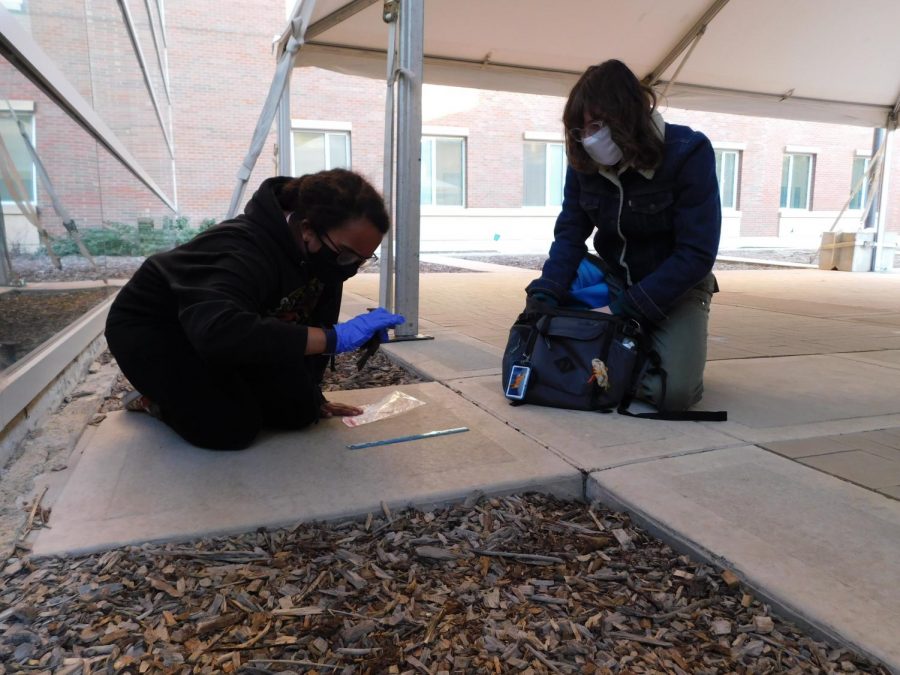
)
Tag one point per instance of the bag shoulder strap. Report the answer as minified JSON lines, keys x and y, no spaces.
{"x":680,"y":416}
{"x":651,"y":364}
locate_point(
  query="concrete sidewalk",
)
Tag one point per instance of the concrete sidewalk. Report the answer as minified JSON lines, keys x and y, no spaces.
{"x":794,"y":492}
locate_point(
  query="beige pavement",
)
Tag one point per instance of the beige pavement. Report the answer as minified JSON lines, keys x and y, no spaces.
{"x":795,"y":354}
{"x":796,"y":492}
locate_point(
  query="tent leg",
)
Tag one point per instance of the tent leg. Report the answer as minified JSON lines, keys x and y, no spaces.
{"x":386,"y":271}
{"x":283,"y":160}
{"x":877,"y":140}
{"x":283,"y":72}
{"x":409,"y":160}
{"x":879,"y":265}
{"x":6,"y":272}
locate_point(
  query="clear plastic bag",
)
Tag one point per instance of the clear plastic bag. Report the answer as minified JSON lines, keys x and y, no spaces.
{"x":391,"y":405}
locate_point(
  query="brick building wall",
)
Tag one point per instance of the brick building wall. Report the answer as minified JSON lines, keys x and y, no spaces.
{"x":90,"y":45}
{"x":220,"y":66}
{"x":761,"y":161}
{"x":497,"y":121}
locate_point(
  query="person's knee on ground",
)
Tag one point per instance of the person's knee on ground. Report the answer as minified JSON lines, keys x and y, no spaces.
{"x":287,"y":395}
{"x":232,"y":432}
{"x":203,"y":406}
{"x":680,"y":395}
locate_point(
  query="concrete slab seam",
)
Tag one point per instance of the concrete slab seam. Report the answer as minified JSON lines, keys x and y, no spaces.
{"x":696,"y":550}
{"x":815,"y":429}
{"x":828,"y":473}
{"x":534,"y":439}
{"x":680,"y":453}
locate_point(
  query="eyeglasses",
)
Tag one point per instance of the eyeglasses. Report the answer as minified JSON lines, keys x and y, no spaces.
{"x":579,"y":134}
{"x":346,"y":256}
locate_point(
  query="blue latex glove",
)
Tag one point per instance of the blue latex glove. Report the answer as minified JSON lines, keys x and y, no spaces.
{"x":354,"y":333}
{"x":621,"y":307}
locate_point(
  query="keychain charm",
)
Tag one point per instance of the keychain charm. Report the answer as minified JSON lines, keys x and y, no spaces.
{"x":518,"y":382}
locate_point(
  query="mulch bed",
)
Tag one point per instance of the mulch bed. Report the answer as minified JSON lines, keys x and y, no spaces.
{"x":35,"y":268}
{"x":379,"y":371}
{"x":523,"y":584}
{"x":75,"y":268}
{"x":31,"y":317}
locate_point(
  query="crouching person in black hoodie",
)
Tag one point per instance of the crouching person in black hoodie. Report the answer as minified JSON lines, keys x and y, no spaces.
{"x":231,"y":332}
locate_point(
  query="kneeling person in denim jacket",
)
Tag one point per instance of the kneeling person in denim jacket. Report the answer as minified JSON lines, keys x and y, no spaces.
{"x":648,"y":192}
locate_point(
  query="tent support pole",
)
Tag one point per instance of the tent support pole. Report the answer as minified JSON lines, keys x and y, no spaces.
{"x":879,"y":265}
{"x":283,"y":72}
{"x":653,"y":77}
{"x":6,"y":270}
{"x":409,"y":161}
{"x":872,"y":214}
{"x":283,"y":160}
{"x":386,"y":297}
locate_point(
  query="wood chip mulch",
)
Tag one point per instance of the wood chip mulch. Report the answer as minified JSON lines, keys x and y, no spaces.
{"x":523,"y":584}
{"x":29,"y":317}
{"x":378,"y":371}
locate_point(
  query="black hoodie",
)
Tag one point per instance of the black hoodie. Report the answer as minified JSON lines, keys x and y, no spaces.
{"x":240,"y":291}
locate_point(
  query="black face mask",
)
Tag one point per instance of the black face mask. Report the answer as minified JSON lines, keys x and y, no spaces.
{"x":324,"y":266}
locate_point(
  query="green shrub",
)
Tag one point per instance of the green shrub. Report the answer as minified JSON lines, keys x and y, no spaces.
{"x":121,"y":239}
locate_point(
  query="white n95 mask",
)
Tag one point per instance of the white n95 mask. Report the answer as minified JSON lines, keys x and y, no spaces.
{"x":601,"y":148}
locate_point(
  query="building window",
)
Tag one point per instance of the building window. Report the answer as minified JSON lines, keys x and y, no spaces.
{"x":15,"y":144}
{"x":796,"y":181}
{"x":320,"y":150}
{"x":860,"y":167}
{"x":443,"y":171}
{"x":545,"y":173}
{"x":14,"y":5}
{"x":728,"y":163}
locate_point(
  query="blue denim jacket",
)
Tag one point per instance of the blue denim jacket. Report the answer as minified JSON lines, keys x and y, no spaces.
{"x":657,"y":230}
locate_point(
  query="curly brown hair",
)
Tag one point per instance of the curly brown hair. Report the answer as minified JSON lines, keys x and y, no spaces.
{"x":328,"y":199}
{"x":612,"y":93}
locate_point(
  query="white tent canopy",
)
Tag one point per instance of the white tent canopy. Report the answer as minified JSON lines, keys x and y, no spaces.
{"x":818,"y":60}
{"x":832,"y":61}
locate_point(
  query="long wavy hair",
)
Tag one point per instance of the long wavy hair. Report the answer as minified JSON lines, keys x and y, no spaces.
{"x":328,"y":199}
{"x":612,"y":93}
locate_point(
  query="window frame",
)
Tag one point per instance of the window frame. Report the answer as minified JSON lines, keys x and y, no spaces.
{"x":791,"y":154}
{"x":15,"y":6}
{"x":738,"y":150}
{"x":324,"y":127}
{"x":863,"y":193}
{"x":23,"y":108}
{"x":464,"y":142}
{"x":547,"y":140}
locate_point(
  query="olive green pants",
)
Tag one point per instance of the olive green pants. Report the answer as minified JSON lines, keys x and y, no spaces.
{"x":680,"y":341}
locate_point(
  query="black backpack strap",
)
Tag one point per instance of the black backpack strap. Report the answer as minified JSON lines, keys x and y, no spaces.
{"x":653,"y":366}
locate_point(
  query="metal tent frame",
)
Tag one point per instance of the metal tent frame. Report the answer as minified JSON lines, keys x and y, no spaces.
{"x":23,"y":52}
{"x":352,"y":54}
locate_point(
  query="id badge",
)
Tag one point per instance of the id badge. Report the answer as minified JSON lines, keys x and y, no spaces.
{"x":518,"y":382}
